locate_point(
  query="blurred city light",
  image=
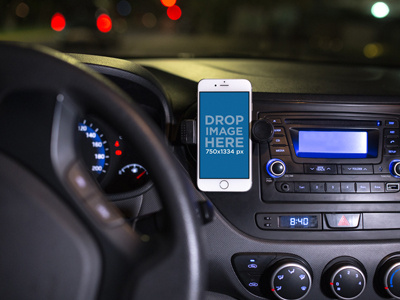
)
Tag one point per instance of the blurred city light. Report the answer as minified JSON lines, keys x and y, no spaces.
{"x":58,"y":22}
{"x":380,"y":10}
{"x":104,"y":23}
{"x":373,"y":50}
{"x":124,"y":8}
{"x":149,"y":20}
{"x":174,"y":12}
{"x":22,"y":10}
{"x":168,"y":3}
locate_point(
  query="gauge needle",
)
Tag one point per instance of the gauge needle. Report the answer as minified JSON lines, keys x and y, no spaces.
{"x":141,"y":174}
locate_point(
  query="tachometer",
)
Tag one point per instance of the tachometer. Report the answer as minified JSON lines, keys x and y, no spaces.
{"x":94,"y":147}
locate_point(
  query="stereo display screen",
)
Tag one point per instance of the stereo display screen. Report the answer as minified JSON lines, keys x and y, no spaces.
{"x":332,"y":144}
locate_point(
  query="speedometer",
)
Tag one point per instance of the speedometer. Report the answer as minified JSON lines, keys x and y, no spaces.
{"x":113,"y":163}
{"x":94,"y":148}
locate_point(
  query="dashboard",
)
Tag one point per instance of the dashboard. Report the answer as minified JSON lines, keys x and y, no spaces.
{"x":317,"y":223}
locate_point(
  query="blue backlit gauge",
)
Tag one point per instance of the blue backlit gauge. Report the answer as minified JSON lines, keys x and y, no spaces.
{"x":94,"y":148}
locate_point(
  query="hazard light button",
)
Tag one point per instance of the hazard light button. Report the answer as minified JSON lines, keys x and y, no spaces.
{"x":342,"y":221}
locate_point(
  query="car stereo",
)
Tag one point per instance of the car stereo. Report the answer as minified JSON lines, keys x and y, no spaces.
{"x":329,"y":157}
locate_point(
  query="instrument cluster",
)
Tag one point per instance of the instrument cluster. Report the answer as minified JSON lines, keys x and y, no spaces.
{"x":111,"y":160}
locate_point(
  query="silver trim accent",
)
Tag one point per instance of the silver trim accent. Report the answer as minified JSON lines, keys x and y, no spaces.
{"x":290,"y":265}
{"x":341,"y":269}
{"x":386,"y":283}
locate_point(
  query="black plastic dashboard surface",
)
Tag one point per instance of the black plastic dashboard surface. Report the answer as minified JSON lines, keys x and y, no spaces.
{"x":288,"y":88}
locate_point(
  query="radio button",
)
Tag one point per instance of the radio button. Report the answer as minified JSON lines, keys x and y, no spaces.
{"x":392,"y":142}
{"x":339,"y":220}
{"x":382,"y":168}
{"x":388,"y":132}
{"x":279,"y":131}
{"x":279,"y":141}
{"x":392,"y":151}
{"x":357,"y":169}
{"x":317,"y":187}
{"x":333,"y":187}
{"x":302,"y":187}
{"x":391,"y":123}
{"x":320,"y":169}
{"x":363,"y":187}
{"x":347,"y":187}
{"x":377,"y":187}
{"x":279,"y":151}
{"x":275,"y":120}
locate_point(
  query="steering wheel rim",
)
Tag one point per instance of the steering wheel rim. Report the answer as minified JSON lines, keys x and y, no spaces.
{"x":78,"y":90}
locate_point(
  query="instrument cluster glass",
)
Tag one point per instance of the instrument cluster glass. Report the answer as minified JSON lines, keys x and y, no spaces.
{"x":111,"y":160}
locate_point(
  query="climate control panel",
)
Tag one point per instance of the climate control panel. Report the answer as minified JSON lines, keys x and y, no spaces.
{"x":284,"y":276}
{"x":274,"y":275}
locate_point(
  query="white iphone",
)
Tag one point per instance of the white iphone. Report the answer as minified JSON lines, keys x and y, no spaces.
{"x":224,"y":110}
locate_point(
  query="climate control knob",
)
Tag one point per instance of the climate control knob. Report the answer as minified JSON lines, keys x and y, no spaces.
{"x":388,"y":277}
{"x":394,"y":168}
{"x":276,"y":168}
{"x":344,"y":278}
{"x":290,"y":279}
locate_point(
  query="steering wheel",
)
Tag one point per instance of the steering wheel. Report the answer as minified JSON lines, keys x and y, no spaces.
{"x":59,"y":236}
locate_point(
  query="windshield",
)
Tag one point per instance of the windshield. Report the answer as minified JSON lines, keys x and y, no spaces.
{"x":361,"y":31}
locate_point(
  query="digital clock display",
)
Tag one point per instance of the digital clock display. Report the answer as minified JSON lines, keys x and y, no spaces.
{"x":298,"y":222}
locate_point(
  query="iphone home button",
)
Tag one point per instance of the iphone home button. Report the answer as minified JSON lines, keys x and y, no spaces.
{"x":224,"y":184}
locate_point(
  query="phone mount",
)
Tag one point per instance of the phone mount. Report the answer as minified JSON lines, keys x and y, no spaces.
{"x":189,"y":132}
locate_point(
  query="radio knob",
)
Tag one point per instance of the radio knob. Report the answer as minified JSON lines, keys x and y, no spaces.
{"x":290,"y":280}
{"x":345,"y":279}
{"x":262,"y":131}
{"x":394,"y":168}
{"x":388,"y":277}
{"x":276,"y":168}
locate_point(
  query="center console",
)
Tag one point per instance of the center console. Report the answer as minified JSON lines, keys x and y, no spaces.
{"x":325,"y":157}
{"x":324,"y":207}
